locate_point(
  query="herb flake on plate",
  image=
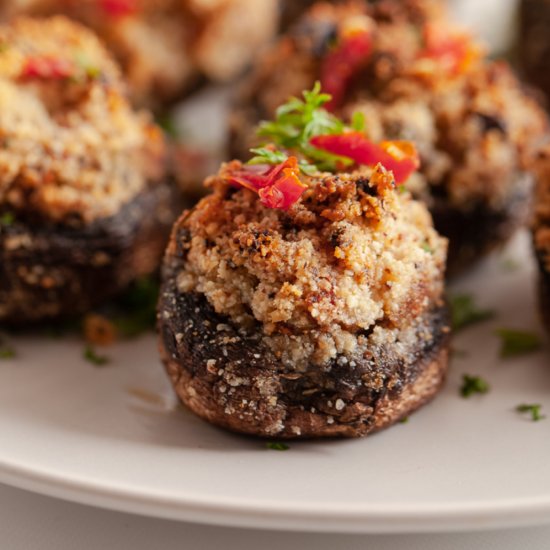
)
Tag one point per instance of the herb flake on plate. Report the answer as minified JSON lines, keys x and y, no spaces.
{"x":465,"y":313}
{"x":515,"y":343}
{"x":277,"y":446}
{"x":6,"y":351}
{"x":532,"y":409}
{"x":472,"y":385}
{"x":94,"y":358}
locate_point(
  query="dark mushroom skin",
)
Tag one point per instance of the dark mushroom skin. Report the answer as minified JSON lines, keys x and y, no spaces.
{"x":541,"y":231}
{"x":478,"y":230}
{"x":60,"y":271}
{"x":230,"y":379}
{"x":477,"y":131}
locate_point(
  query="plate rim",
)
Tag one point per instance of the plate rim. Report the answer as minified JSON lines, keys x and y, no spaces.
{"x":314,"y":518}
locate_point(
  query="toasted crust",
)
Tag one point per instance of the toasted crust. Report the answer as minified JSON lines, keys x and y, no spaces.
{"x":61,"y":271}
{"x":235,"y":382}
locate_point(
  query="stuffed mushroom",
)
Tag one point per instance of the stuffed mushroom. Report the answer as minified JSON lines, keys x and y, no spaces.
{"x":302,"y":298}
{"x":85,"y":203}
{"x":415,"y":76}
{"x":168,"y":47}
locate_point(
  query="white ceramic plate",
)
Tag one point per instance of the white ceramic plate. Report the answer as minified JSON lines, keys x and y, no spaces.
{"x":116,"y":437}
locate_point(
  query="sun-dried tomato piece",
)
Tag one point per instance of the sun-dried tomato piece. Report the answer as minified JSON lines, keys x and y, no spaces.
{"x":47,"y":68}
{"x":277,"y":186}
{"x":400,"y":157}
{"x":342,"y":63}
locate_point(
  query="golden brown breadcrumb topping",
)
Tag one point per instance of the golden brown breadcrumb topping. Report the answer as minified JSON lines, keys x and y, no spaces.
{"x":355,"y":260}
{"x":71,"y":145}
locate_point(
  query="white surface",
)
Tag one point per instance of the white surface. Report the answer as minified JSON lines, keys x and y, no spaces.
{"x":32,"y":522}
{"x":494,"y":21}
{"x":73,"y":430}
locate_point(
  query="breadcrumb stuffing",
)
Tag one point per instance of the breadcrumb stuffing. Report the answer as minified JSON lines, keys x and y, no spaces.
{"x":354,"y":263}
{"x":71,"y":147}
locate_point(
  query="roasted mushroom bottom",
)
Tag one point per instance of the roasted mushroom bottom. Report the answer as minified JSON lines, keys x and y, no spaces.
{"x":233,"y":380}
{"x":61,"y":271}
{"x":544,"y":288}
{"x":479,"y":229}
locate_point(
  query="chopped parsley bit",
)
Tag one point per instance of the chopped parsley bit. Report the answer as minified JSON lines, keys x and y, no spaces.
{"x":277,"y":446}
{"x":459,"y":353}
{"x":297,"y":122}
{"x":7,"y":218}
{"x":472,"y":385}
{"x":83,"y":62}
{"x":265,"y":155}
{"x":464,"y":312}
{"x":137,"y":308}
{"x":427,"y":248}
{"x":168,"y":125}
{"x":509,"y":265}
{"x":517,"y":342}
{"x":6,"y":351}
{"x":404,"y":420}
{"x":533,"y":410}
{"x":92,"y":357}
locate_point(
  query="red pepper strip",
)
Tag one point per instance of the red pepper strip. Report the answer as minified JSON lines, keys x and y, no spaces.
{"x":47,"y":68}
{"x":454,"y":49}
{"x":278,"y":186}
{"x":400,"y":157}
{"x":340,"y":65}
{"x":119,"y":8}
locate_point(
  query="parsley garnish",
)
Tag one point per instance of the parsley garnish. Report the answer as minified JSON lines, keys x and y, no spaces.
{"x":137,"y":308}
{"x":510,"y":265}
{"x":296,"y":123}
{"x":464,"y":312}
{"x":83,"y":61}
{"x":472,"y":385}
{"x":93,"y":357}
{"x":517,"y":342}
{"x":6,"y":351}
{"x":264,"y":155}
{"x":404,"y":420}
{"x":166,"y":122}
{"x":277,"y":446}
{"x":533,"y":410}
{"x":427,"y":248}
{"x":7,"y":218}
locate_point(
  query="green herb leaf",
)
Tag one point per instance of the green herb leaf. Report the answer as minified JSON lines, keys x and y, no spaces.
{"x":85,"y":64}
{"x":137,"y":308}
{"x":427,"y":248}
{"x":7,"y":218}
{"x":517,"y":342}
{"x":510,"y":265}
{"x":472,"y":385}
{"x":6,"y":351}
{"x":168,"y":125}
{"x":358,"y":121}
{"x":404,"y":420}
{"x":92,"y":357}
{"x":267,"y":156}
{"x":464,"y":312}
{"x":277,"y":446}
{"x":533,"y":410}
{"x":298,"y":121}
